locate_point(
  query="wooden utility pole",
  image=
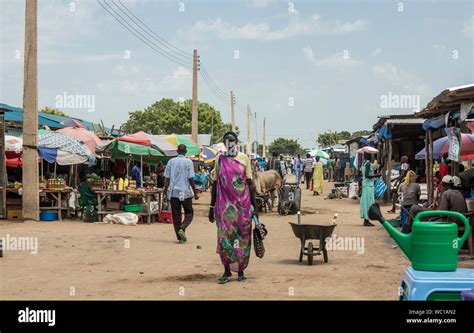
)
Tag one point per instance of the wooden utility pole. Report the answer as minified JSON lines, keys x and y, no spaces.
{"x":194,"y":121}
{"x":30,"y":115}
{"x":264,"y":142}
{"x":249,"y":149}
{"x":232,"y":112}
{"x":256,"y":135}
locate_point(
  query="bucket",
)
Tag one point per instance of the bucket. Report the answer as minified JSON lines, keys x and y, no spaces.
{"x":48,"y":216}
{"x":135,"y":208}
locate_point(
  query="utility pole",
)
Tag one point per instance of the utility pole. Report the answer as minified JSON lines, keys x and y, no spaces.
{"x":256,"y":135}
{"x":232,"y":112}
{"x":30,"y":115}
{"x":248,"y":131}
{"x":264,"y":142}
{"x":194,"y":120}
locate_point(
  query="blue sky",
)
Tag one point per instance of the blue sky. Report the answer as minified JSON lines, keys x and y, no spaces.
{"x":334,"y":59}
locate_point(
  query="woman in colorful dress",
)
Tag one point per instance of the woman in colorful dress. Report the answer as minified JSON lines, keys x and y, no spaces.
{"x":231,"y":208}
{"x":368,"y":181}
{"x":318,"y":178}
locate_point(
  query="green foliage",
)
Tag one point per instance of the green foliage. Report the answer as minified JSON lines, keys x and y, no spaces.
{"x":285,"y":146}
{"x":51,"y":110}
{"x":327,"y":139}
{"x":172,"y":117}
{"x":356,"y":134}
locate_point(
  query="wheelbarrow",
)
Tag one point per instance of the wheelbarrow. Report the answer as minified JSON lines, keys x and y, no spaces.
{"x":307,"y":232}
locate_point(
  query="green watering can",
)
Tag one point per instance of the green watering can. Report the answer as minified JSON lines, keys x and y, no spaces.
{"x":431,"y":246}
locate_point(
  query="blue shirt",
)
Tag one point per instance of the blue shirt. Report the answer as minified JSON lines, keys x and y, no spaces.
{"x":136,"y":175}
{"x":179,"y":170}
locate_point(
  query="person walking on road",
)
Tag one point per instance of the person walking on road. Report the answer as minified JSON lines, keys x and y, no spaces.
{"x":179,"y":190}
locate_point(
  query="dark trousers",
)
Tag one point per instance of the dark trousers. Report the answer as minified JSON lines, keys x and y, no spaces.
{"x":176,"y":205}
{"x":308,"y":176}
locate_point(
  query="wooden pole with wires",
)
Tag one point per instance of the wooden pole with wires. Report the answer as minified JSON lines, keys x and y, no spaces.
{"x":194,"y":120}
{"x":248,"y":148}
{"x":232,"y":111}
{"x":30,"y":198}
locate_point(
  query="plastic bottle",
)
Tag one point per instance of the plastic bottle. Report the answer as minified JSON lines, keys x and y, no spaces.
{"x":125,"y":183}
{"x":114,"y":187}
{"x":120,"y":184}
{"x":298,"y":215}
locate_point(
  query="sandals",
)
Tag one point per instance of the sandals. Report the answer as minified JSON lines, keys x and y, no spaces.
{"x":223,"y":279}
{"x":241,"y":278}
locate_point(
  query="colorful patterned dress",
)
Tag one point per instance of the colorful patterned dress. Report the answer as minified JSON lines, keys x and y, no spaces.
{"x":233,"y":213}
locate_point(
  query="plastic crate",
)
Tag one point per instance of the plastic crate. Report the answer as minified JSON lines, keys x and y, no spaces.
{"x":167,"y":217}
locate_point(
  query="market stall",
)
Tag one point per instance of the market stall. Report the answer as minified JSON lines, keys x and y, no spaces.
{"x":118,"y":195}
{"x":148,"y":206}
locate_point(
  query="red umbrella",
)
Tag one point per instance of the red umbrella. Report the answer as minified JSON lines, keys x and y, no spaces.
{"x":90,"y":139}
{"x":139,"y":138}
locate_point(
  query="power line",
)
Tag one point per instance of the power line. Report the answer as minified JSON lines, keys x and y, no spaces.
{"x":158,"y":38}
{"x":140,"y":36}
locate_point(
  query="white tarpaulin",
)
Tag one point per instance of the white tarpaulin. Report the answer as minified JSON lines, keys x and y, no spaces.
{"x":67,"y":158}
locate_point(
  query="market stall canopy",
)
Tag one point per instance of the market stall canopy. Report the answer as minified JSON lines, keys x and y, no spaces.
{"x":207,"y":155}
{"x":13,"y":145}
{"x":319,"y":153}
{"x":63,"y":149}
{"x":441,"y":146}
{"x":158,"y":142}
{"x":368,"y":150}
{"x":219,"y":147}
{"x":90,"y":139}
{"x":175,"y":139}
{"x":70,"y":122}
{"x":122,"y":150}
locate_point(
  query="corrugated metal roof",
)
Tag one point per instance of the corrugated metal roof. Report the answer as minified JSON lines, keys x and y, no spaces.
{"x":405,"y":121}
{"x":47,"y":119}
{"x":448,"y":100}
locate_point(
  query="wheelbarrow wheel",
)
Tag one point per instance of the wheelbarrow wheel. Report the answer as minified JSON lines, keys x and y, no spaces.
{"x":310,"y":253}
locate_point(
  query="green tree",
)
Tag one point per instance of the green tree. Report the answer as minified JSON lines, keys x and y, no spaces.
{"x":172,"y":117}
{"x":356,"y":134}
{"x":54,"y":111}
{"x":327,"y":139}
{"x":285,"y":146}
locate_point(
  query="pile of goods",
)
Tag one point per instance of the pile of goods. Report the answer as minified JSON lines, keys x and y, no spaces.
{"x":119,"y":184}
{"x":94,"y":180}
{"x":56,"y":184}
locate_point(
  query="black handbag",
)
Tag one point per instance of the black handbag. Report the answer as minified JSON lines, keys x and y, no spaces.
{"x":259,"y":234}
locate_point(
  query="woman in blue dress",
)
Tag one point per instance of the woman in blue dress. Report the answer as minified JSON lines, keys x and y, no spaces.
{"x":368,"y":196}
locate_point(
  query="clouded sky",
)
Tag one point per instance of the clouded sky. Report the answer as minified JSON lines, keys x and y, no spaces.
{"x":307,"y":66}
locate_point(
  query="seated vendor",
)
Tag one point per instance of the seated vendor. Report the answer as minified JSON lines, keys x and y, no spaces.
{"x":88,"y":198}
{"x":452,"y":199}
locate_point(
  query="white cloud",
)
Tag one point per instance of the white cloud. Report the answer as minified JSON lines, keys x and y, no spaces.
{"x":376,"y":52}
{"x":260,"y":3}
{"x":340,"y":60}
{"x":178,"y":80}
{"x":309,"y":54}
{"x":439,"y":47}
{"x":261,"y":31}
{"x":468,"y":27}
{"x":400,"y":79}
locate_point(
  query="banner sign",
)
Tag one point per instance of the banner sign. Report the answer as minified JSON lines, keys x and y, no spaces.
{"x":454,"y":151}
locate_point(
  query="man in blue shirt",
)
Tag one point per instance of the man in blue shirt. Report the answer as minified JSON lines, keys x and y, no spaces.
{"x":136,"y":175}
{"x":179,"y":180}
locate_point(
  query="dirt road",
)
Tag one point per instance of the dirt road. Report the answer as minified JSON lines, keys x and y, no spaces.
{"x":78,"y":260}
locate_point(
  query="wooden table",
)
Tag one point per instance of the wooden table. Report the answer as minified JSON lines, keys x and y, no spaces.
{"x":57,"y":196}
{"x":148,"y":194}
